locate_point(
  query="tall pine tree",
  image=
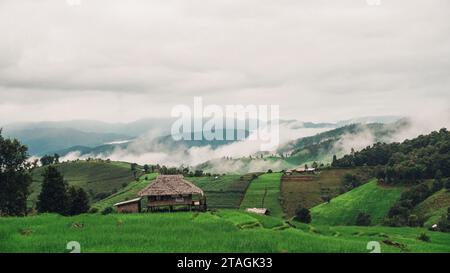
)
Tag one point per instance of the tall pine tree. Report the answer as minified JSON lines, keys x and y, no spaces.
{"x":78,"y":201}
{"x":53,"y":196}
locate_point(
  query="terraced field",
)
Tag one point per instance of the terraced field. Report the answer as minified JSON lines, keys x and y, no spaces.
{"x":307,"y":191}
{"x":343,"y":210}
{"x":225,"y":191}
{"x":94,"y":176}
{"x":264,"y":192}
{"x":434,"y":207}
{"x":127,"y":193}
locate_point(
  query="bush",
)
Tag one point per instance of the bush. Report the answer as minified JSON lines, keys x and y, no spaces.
{"x":424,"y":237}
{"x":107,"y":211}
{"x":93,"y":210}
{"x":414,"y":221}
{"x":447,"y":184}
{"x":269,"y":171}
{"x":303,"y":215}
{"x":363,"y":219}
{"x":437,"y":186}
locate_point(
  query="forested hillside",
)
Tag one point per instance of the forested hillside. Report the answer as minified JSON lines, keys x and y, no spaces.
{"x":424,"y":157}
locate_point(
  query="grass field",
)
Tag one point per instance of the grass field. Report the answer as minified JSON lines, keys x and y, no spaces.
{"x":127,"y":193}
{"x":264,"y":192}
{"x":434,"y":207}
{"x":186,"y":232}
{"x":224,"y":191}
{"x":297,"y":191}
{"x":369,"y":198}
{"x":95,"y":177}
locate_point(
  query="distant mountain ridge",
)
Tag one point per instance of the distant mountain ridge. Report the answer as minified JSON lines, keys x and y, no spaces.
{"x":41,"y":141}
{"x":92,"y":137}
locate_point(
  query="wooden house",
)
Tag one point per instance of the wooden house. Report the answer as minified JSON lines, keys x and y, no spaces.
{"x":129,"y":206}
{"x":171,"y":191}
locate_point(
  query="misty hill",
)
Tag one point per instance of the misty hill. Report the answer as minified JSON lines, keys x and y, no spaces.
{"x":341,"y":140}
{"x":424,"y":157}
{"x":147,"y":144}
{"x":41,"y":141}
{"x":320,"y":147}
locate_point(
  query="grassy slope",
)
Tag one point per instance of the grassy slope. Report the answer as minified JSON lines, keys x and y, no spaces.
{"x":224,"y":231}
{"x":434,"y":207}
{"x":225,"y":191}
{"x":369,"y":198}
{"x":266,"y":187}
{"x":95,"y":177}
{"x":127,"y":193}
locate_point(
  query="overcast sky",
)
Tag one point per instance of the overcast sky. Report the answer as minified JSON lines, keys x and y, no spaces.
{"x":115,"y":60}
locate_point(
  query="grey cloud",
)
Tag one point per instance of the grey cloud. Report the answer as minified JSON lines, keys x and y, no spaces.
{"x":124,"y":60}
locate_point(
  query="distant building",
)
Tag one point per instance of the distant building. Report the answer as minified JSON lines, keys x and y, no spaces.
{"x":172,"y":191}
{"x":262,"y":211}
{"x":304,"y":170}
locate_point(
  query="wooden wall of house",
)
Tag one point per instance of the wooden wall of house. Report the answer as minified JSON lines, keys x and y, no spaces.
{"x":129,"y":208}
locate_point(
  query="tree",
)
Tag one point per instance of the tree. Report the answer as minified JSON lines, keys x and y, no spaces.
{"x":363,"y":219}
{"x":303,"y":215}
{"x":146,"y":168}
{"x":447,"y":184}
{"x":315,"y":165}
{"x":56,"y":159}
{"x":437,"y":185}
{"x":53,"y":196}
{"x":14,"y":177}
{"x":49,"y":160}
{"x":438,"y":175}
{"x":78,"y":201}
{"x":334,"y":162}
{"x":134,"y":170}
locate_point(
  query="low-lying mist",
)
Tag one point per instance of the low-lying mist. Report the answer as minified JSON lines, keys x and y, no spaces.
{"x":234,"y":157}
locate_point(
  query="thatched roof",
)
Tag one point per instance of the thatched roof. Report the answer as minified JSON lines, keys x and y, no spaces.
{"x":170,"y":185}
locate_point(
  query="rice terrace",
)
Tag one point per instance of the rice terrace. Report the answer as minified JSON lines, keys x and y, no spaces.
{"x":224,"y":135}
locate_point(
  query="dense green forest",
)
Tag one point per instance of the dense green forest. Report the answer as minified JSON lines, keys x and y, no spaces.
{"x":410,"y":162}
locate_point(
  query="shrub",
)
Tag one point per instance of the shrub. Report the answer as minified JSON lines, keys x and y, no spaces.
{"x":107,"y":211}
{"x":447,"y":184}
{"x":437,"y":186}
{"x":414,"y":221}
{"x":303,"y":215}
{"x":93,"y":210}
{"x":269,"y":171}
{"x":424,"y":237}
{"x":363,"y":219}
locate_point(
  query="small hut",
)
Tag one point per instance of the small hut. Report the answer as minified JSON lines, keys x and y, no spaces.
{"x":303,"y":170}
{"x":171,"y":191}
{"x":129,"y":206}
{"x":261,"y":211}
